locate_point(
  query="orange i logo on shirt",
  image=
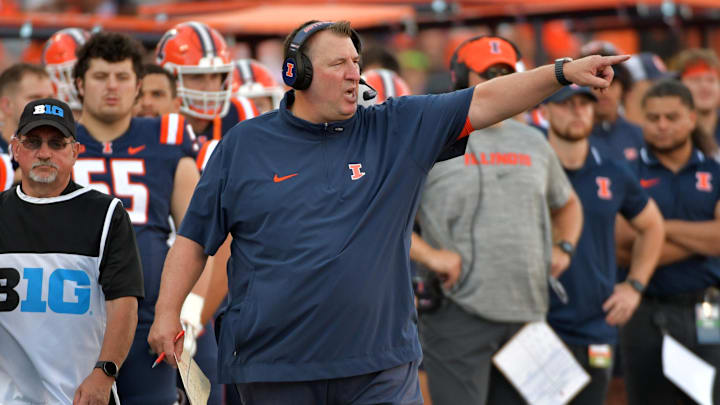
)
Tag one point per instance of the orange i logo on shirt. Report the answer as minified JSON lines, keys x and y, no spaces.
{"x":356,"y":173}
{"x":703,"y":181}
{"x":603,"y":188}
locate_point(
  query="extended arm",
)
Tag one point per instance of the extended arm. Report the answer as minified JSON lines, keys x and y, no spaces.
{"x":506,"y":96}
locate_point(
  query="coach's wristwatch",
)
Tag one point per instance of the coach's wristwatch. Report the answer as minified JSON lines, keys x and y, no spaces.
{"x":636,"y":285}
{"x":566,"y":247}
{"x":108,"y":367}
{"x":559,"y":75}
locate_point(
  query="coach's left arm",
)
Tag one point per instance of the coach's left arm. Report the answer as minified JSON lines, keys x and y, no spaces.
{"x":119,"y":332}
{"x":506,"y":96}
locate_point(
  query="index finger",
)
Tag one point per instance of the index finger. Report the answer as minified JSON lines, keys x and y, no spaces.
{"x":614,"y":59}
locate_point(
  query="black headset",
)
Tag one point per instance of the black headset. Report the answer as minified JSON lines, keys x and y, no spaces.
{"x":460,"y":72}
{"x":297,"y":70}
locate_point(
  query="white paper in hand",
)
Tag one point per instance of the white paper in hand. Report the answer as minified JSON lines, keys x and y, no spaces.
{"x":197,"y":386}
{"x":540,"y":367}
{"x":689,"y":372}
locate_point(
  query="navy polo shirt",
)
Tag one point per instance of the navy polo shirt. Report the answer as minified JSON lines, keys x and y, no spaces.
{"x":620,"y":140}
{"x":605,"y":187}
{"x":4,"y":147}
{"x":717,"y":129}
{"x":321,"y":217}
{"x":689,"y":195}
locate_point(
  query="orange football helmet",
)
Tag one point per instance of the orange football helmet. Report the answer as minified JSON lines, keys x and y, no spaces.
{"x":59,"y":57}
{"x":252,"y":79}
{"x":192,"y":48}
{"x":386,"y":83}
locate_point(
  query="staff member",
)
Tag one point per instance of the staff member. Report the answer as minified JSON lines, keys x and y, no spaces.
{"x":686,"y":186}
{"x":597,"y":303}
{"x":67,"y":326}
{"x":320,"y":197}
{"x":509,"y":185}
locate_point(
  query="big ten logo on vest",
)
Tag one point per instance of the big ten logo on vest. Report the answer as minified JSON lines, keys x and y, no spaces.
{"x":61,"y":297}
{"x":49,"y":109}
{"x":498,"y":159}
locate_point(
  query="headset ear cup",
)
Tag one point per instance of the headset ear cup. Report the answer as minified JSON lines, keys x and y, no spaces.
{"x":304,"y":72}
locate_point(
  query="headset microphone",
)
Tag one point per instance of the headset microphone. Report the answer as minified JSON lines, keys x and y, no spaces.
{"x":368,"y":94}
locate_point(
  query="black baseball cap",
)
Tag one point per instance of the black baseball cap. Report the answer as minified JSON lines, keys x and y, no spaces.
{"x":569,"y":91}
{"x":47,"y":111}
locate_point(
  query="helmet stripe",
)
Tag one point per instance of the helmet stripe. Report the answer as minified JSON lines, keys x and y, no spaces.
{"x":206,"y":39}
{"x":77,"y":35}
{"x":388,"y":83}
{"x":246,"y":71}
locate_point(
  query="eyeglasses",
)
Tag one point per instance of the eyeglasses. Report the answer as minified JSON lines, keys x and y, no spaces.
{"x":495,"y":71}
{"x":35,"y":143}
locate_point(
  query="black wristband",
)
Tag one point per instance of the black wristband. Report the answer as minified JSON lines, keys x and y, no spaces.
{"x":559,"y":75}
{"x":636,"y":285}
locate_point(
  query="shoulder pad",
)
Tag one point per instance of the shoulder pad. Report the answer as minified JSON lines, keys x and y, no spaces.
{"x":246,"y":108}
{"x":172,"y":129}
{"x":6,"y":172}
{"x":205,"y":152}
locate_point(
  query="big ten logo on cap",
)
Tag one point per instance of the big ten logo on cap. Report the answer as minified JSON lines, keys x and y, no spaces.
{"x":49,"y":109}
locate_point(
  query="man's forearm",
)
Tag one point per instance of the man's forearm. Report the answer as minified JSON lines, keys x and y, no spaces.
{"x":646,"y":252}
{"x":420,"y":250}
{"x":701,"y":237}
{"x":120,"y":329}
{"x":506,"y":96}
{"x":218,"y":283}
{"x":672,"y":252}
{"x":567,"y":221}
{"x":183,"y":266}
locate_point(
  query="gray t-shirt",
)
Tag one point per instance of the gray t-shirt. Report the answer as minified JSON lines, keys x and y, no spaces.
{"x":492,"y":206}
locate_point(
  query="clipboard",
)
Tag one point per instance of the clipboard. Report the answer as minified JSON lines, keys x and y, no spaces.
{"x":539,"y":365}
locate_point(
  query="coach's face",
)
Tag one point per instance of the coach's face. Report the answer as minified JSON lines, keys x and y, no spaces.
{"x":336,"y":74}
{"x":109,"y":89}
{"x":45,"y":156}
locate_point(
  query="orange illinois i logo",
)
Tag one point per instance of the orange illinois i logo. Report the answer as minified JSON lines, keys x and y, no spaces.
{"x":356,"y":173}
{"x":603,"y":184}
{"x":289,"y":70}
{"x":703,"y":181}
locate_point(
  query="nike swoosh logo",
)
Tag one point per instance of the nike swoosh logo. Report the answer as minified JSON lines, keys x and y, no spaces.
{"x":277,"y":179}
{"x":135,"y":150}
{"x":647,"y":183}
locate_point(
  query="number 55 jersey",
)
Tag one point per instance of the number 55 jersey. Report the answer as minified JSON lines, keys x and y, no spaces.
{"x":61,"y":258}
{"x":139,"y":168}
